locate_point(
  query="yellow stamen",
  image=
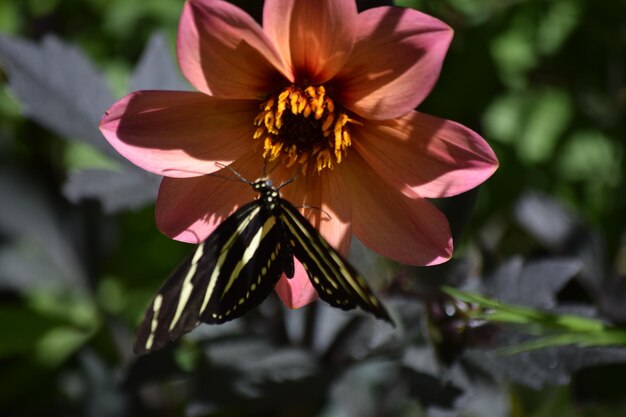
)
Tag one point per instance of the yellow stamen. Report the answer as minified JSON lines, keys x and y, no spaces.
{"x":327,"y":122}
{"x":269,"y":122}
{"x":269,"y":104}
{"x":307,"y":110}
{"x":282,"y":122}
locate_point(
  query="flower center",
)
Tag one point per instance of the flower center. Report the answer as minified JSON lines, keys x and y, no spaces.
{"x":302,"y":126}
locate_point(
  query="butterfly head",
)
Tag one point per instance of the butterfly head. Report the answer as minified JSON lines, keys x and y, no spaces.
{"x":268,"y":193}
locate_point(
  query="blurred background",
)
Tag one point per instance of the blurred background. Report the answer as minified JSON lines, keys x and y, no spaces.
{"x":80,"y":258}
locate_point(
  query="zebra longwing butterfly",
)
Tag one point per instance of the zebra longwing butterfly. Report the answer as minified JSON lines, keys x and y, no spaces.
{"x":239,"y":264}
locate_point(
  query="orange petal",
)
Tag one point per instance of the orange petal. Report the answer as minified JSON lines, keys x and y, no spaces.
{"x":433,"y":157}
{"x":315,"y":37}
{"x":223,"y":52}
{"x":189,"y":209}
{"x":179,"y":134}
{"x":395,"y":62}
{"x":406,"y":229}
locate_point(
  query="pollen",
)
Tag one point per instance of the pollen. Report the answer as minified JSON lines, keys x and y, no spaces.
{"x":303,"y":127}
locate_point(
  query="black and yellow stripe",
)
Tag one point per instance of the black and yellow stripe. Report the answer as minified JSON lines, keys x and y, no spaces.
{"x":237,"y":267}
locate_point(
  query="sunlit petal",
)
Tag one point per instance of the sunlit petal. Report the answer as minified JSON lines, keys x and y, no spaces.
{"x":179,"y":134}
{"x":223,"y":52}
{"x":395,"y":62}
{"x":316,"y":37}
{"x":432,"y":156}
{"x":408,"y":230}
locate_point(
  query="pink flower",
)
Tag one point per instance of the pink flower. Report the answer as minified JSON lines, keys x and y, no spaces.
{"x":318,"y":90}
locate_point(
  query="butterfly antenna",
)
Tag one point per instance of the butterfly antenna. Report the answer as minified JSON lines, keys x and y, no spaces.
{"x":289,"y":181}
{"x":316,"y":208}
{"x":231,"y":169}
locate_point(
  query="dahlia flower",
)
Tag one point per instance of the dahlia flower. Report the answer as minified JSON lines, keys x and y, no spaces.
{"x":319,"y":91}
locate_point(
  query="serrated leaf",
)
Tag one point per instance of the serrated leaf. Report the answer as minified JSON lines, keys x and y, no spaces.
{"x":538,"y":368}
{"x":533,"y":284}
{"x":253,"y":374}
{"x":128,"y":189}
{"x":420,"y":368}
{"x":429,"y":390}
{"x":104,"y":396}
{"x":40,"y":255}
{"x":562,"y":232}
{"x":58,"y":87}
{"x":546,"y":219}
{"x":612,"y":300}
{"x":357,"y":392}
{"x":262,"y":362}
{"x":156,"y":69}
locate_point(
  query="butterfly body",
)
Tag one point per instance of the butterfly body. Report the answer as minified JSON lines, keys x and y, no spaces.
{"x":239,"y":264}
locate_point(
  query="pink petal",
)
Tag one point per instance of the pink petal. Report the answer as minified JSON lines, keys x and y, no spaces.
{"x":223,"y":52}
{"x":189,"y":209}
{"x":395,"y":62}
{"x":432,"y":156}
{"x":406,"y":229}
{"x":316,"y":37}
{"x":298,"y":291}
{"x":179,"y":134}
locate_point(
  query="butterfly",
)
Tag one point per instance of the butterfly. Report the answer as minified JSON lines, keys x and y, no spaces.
{"x":239,"y":264}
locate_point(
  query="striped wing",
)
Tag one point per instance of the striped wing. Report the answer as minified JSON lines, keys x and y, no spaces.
{"x":335,"y":280}
{"x":233,"y":271}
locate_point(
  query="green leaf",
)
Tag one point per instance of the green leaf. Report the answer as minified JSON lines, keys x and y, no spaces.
{"x":550,"y":112}
{"x":504,"y":117}
{"x":532,"y":122}
{"x":514,"y":50}
{"x":555,"y":329}
{"x":587,"y":339}
{"x":42,"y":7}
{"x":59,"y":343}
{"x":9,"y":17}
{"x":82,"y":156}
{"x":557,"y":24}
{"x":22,"y":328}
{"x":77,"y":310}
{"x":414,"y":4}
{"x":590,"y":156}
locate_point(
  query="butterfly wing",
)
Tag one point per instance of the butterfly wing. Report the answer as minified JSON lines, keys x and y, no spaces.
{"x":228,"y":274}
{"x":247,"y":270}
{"x":335,"y":280}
